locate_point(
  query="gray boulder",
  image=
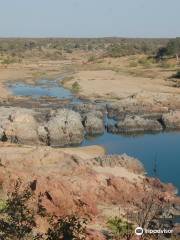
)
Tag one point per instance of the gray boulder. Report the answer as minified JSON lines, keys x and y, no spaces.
{"x":131,"y":106}
{"x":65,"y":128}
{"x":137,"y":124}
{"x":171,"y":120}
{"x":22,"y":128}
{"x":93,"y":123}
{"x":19,"y":125}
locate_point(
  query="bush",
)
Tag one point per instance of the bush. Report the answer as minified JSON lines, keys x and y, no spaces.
{"x":177,"y":75}
{"x":145,"y":62}
{"x":67,"y":228}
{"x":7,"y":61}
{"x":75,"y":87}
{"x":172,"y":49}
{"x":92,"y":58}
{"x":116,"y":50}
{"x":16,"y":217}
{"x":120,"y":228}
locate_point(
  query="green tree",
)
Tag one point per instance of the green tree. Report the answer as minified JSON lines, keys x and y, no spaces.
{"x":162,"y":52}
{"x":16,"y":217}
{"x":177,"y":75}
{"x":173,"y":48}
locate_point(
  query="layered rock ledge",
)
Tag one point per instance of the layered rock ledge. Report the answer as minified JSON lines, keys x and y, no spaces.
{"x":82,"y":180}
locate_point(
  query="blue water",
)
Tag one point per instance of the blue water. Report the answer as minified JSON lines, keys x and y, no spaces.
{"x":43,"y":88}
{"x":162,"y":148}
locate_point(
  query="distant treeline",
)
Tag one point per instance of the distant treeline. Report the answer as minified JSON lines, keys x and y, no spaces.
{"x":114,"y":47}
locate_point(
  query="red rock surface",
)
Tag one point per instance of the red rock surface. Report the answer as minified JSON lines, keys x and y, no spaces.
{"x":71,"y":183}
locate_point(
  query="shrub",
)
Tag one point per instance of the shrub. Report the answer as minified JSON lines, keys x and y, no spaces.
{"x":120,"y":228}
{"x":7,"y":61}
{"x":75,"y":87}
{"x":16,"y":217}
{"x":92,"y":58}
{"x":177,"y":75}
{"x":68,"y":228}
{"x":115,"y":50}
{"x":172,"y":49}
{"x":145,"y":62}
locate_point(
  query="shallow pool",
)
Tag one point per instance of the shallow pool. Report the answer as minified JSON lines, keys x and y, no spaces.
{"x":42,"y":88}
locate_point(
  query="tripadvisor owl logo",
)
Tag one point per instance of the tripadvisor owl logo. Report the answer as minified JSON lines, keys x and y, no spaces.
{"x":139,"y":231}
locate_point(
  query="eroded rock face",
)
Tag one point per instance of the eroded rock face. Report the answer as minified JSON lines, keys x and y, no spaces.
{"x":70,"y":184}
{"x":23,"y":127}
{"x":171,"y":120}
{"x":131,"y":106}
{"x":136,"y":124}
{"x":19,"y":125}
{"x":93,"y":123}
{"x":124,"y":161}
{"x":43,"y":135}
{"x":65,"y":128}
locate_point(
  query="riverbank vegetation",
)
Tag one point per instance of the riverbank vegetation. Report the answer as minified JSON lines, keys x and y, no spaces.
{"x":23,"y":211}
{"x":19,"y":214}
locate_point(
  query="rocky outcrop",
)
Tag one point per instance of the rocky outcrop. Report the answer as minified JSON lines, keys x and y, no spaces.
{"x":171,"y":120}
{"x":89,"y":107}
{"x":135,"y":124}
{"x":65,"y":128}
{"x":130,"y":106}
{"x":124,"y":161}
{"x":43,"y":134}
{"x":23,"y":126}
{"x":93,"y":123}
{"x":95,"y":187}
{"x":19,"y":125}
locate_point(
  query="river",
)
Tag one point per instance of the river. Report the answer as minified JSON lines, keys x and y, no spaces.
{"x":161,"y":150}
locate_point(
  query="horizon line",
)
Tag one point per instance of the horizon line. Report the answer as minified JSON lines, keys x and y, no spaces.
{"x":87,"y":37}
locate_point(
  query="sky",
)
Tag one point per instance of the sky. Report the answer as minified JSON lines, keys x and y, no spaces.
{"x":89,"y":18}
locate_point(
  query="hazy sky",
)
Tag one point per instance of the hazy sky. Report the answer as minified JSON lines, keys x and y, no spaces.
{"x":90,"y":18}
